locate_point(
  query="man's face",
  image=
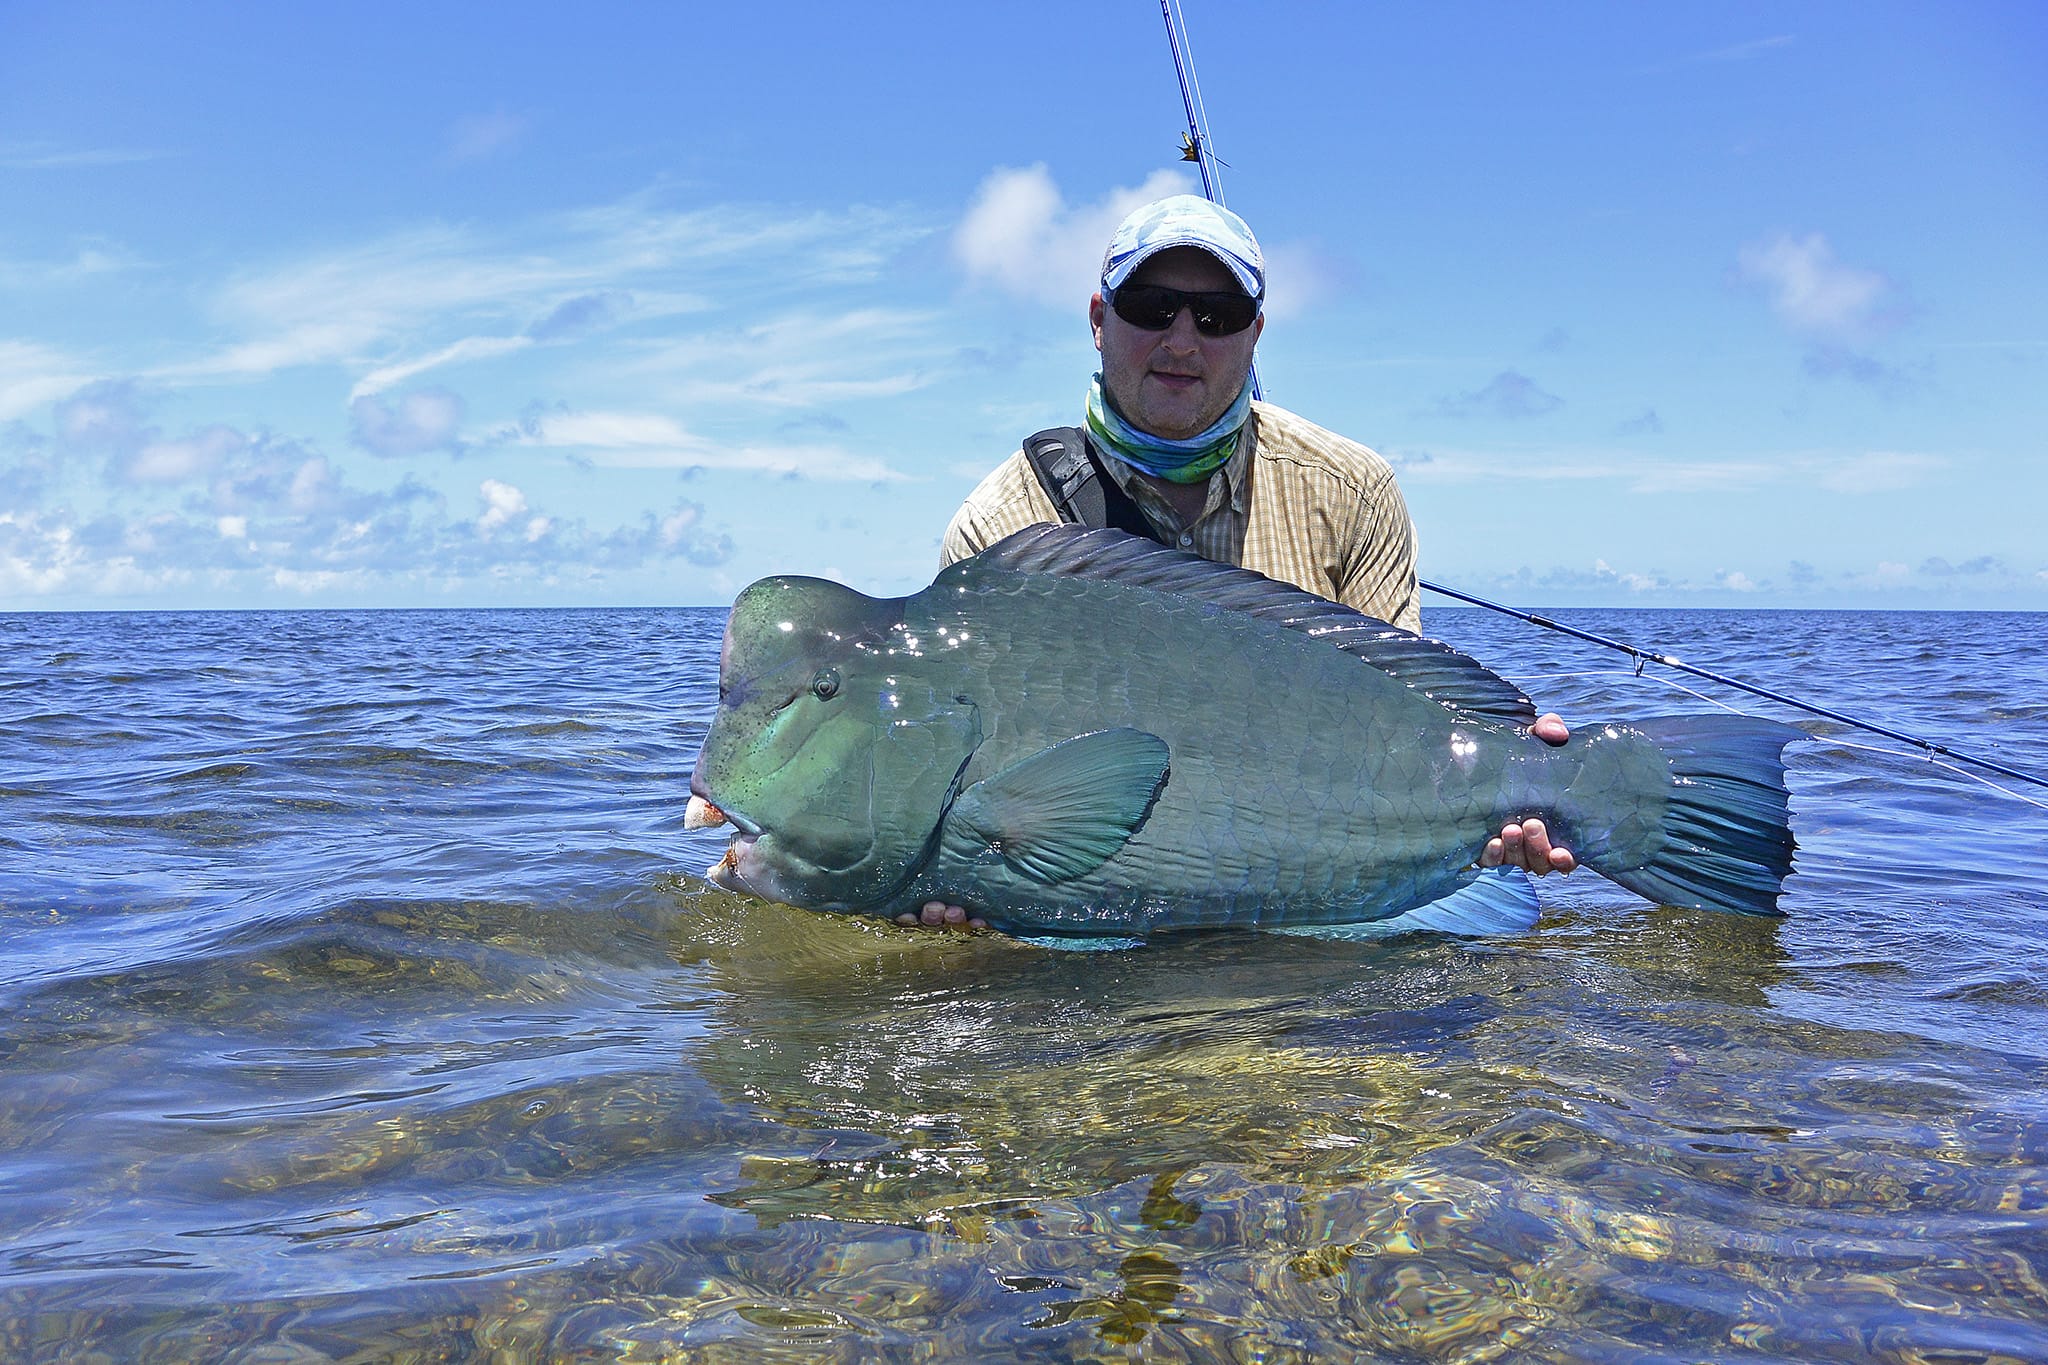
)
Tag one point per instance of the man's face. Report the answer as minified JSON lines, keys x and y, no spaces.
{"x":1176,"y":383}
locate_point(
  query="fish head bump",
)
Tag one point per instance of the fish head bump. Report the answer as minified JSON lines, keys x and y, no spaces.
{"x":835,"y":752}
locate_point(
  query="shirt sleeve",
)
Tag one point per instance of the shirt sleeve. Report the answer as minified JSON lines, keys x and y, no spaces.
{"x":1008,"y":500}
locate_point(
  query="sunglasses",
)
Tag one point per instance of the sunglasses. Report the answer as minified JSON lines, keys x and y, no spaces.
{"x":1153,"y":307}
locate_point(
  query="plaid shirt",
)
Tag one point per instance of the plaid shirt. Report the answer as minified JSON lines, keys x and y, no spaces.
{"x":1294,"y":502}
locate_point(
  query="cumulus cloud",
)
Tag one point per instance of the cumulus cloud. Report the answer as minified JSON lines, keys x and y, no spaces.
{"x":184,"y":459}
{"x":275,"y":515}
{"x":1508,"y":395}
{"x":428,"y":419}
{"x":103,"y":418}
{"x":107,"y":421}
{"x":1021,"y":236}
{"x":1816,"y":295}
{"x":502,"y":502}
{"x":1938,"y":567}
{"x":26,"y":466}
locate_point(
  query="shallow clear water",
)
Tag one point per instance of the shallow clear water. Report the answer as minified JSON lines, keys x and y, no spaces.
{"x":361,"y":1003}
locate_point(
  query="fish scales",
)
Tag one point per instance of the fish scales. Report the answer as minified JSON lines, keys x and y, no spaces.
{"x":1278,"y":742}
{"x":1076,"y":733}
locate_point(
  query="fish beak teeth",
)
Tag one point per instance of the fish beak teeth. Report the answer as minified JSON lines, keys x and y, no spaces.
{"x":701,"y":814}
{"x":724,"y":867}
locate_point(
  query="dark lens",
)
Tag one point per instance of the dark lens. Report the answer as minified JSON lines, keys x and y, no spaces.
{"x":1147,"y":306}
{"x":1153,"y":307}
{"x":1222,"y":315}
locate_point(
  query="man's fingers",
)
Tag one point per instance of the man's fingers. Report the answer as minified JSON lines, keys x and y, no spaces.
{"x":939,"y":915}
{"x":1527,"y":845}
{"x":1539,"y":855}
{"x":1550,"y":728}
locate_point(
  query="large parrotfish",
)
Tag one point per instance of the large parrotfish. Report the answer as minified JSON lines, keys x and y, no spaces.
{"x":1079,"y":734}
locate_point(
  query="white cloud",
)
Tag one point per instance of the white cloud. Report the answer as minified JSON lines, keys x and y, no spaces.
{"x":190,"y":457}
{"x":88,"y":261}
{"x":1021,"y":237}
{"x":416,"y":423}
{"x":1812,"y":292}
{"x":802,"y":360}
{"x":1634,"y":582}
{"x":611,"y":430}
{"x":32,"y":375}
{"x":469,"y":348}
{"x":502,"y":502}
{"x":635,"y":440}
{"x":447,"y":294}
{"x":1877,"y":471}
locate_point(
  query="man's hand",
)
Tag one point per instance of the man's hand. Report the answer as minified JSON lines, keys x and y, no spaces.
{"x":936,"y":915}
{"x":1528,"y":845}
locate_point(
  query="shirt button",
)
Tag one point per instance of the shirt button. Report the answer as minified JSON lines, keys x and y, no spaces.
{"x":1186,"y":540}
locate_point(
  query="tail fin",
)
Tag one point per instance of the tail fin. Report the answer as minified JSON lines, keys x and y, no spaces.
{"x":1726,"y":835}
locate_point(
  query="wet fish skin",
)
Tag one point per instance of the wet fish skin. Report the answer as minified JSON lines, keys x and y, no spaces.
{"x":1081,"y":734}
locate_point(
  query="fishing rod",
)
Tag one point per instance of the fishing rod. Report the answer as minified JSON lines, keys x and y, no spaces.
{"x":1195,"y":148}
{"x":1194,"y":144}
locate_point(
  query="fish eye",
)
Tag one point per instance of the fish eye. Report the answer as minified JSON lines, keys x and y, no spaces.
{"x":825,"y":684}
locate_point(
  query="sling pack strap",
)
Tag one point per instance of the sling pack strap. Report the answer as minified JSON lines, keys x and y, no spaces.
{"x":1071,"y":474}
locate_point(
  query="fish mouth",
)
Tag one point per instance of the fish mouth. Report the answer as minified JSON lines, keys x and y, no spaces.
{"x":704,"y":812}
{"x":728,"y":871}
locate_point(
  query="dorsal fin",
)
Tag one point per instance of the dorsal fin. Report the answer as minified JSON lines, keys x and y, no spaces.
{"x":1442,"y":674}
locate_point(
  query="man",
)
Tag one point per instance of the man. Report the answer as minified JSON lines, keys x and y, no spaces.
{"x":1179,"y":451}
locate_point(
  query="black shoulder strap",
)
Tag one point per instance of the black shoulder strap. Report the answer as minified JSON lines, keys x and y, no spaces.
{"x":1072,"y":477}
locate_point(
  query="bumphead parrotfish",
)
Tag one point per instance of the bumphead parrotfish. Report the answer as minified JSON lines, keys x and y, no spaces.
{"x":1083,"y":734}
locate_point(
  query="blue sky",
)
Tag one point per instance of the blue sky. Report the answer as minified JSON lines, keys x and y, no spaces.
{"x":465,"y":304}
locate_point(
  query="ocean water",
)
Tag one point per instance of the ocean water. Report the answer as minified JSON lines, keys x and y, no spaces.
{"x":362,"y":1002}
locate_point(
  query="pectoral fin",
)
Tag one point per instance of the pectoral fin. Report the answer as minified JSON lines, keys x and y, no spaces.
{"x":1501,"y":900}
{"x":1064,"y":811}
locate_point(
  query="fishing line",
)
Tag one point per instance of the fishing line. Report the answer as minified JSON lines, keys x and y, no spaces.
{"x":1698,"y":695}
{"x":1197,"y":151}
{"x":1644,"y":656}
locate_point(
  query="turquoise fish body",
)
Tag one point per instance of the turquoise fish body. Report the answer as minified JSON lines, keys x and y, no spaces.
{"x":1081,"y":734}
